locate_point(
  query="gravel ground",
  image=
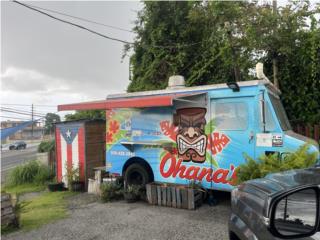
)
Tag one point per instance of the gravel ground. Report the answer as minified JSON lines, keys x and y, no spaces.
{"x":91,"y":219}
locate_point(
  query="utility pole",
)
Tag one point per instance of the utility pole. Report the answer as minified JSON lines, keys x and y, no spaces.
{"x":236,"y":69}
{"x":275,"y":57}
{"x":32,"y":121}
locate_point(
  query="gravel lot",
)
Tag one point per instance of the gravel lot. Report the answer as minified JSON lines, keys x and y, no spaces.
{"x":91,"y":219}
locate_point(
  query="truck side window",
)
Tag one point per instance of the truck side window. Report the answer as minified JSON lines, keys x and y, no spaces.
{"x":270,"y":124}
{"x":230,"y":116}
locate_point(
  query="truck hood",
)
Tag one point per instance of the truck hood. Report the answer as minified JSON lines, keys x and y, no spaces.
{"x":276,"y":183}
{"x":302,"y":138}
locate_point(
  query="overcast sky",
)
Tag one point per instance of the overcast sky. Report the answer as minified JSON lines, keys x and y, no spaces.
{"x":47,"y":62}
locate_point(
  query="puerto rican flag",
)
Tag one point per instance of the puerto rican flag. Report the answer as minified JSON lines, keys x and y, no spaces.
{"x":69,"y":150}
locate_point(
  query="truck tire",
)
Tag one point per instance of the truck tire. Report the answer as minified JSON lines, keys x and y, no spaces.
{"x":136,"y":174}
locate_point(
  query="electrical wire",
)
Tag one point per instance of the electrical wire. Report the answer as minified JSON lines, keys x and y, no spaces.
{"x":103,"y":35}
{"x":10,"y":117}
{"x":38,"y":105}
{"x":73,"y":24}
{"x":22,"y":111}
{"x":80,"y":18}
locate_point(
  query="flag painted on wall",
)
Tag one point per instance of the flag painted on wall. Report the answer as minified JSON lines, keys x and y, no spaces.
{"x":70,"y":151}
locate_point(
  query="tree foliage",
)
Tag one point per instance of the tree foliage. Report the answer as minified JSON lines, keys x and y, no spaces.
{"x":204,"y":41}
{"x":86,"y":114}
{"x":50,"y":119}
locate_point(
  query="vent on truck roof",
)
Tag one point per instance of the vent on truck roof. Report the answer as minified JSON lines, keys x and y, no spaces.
{"x":176,"y":81}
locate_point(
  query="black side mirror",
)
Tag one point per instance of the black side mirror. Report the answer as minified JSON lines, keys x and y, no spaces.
{"x":296,"y":214}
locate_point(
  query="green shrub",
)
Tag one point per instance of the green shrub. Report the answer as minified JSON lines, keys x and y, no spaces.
{"x":133,"y":189}
{"x":31,"y":172}
{"x":270,"y":164}
{"x":111,"y":191}
{"x":46,"y":146}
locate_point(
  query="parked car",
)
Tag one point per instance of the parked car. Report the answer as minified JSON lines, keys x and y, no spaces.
{"x":280,"y":206}
{"x":18,"y":145}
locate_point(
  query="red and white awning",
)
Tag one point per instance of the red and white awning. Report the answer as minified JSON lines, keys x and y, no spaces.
{"x":136,"y":102}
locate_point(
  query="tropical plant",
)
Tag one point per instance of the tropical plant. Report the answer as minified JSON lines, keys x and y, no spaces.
{"x":72,"y":174}
{"x":132,"y":193}
{"x":266,"y":164}
{"x":111,"y":191}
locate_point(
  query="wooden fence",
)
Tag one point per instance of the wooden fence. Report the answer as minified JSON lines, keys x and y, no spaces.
{"x":311,"y":131}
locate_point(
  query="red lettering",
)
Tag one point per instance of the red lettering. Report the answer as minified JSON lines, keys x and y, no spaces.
{"x":165,"y":159}
{"x":194,"y":174}
{"x":205,"y":172}
{"x":179,"y":169}
{"x":175,"y":168}
{"x":233,"y":179}
{"x":220,"y":176}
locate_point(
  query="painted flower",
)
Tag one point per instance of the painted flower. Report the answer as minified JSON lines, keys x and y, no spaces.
{"x":168,"y":129}
{"x":109,"y":114}
{"x":217,"y":142}
{"x":109,"y":137}
{"x":174,"y":151}
{"x":114,"y":127}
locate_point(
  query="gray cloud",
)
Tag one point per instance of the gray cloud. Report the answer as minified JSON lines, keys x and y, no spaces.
{"x":42,"y":56}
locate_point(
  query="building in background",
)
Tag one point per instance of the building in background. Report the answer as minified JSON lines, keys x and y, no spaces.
{"x":27,"y":133}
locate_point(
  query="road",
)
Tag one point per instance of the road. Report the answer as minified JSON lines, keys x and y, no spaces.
{"x":13,"y":158}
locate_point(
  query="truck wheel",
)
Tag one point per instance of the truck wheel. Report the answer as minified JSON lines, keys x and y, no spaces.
{"x":136,"y":174}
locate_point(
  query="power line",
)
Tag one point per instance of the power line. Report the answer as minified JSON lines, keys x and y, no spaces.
{"x":19,"y":110}
{"x":21,"y":113}
{"x":23,"y":110}
{"x":103,"y":35}
{"x":73,"y":24}
{"x":38,"y":105}
{"x":10,"y":117}
{"x":80,"y":18}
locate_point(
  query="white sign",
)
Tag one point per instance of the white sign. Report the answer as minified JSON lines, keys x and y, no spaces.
{"x":264,"y":140}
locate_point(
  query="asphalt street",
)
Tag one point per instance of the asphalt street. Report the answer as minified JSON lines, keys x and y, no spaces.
{"x":13,"y":158}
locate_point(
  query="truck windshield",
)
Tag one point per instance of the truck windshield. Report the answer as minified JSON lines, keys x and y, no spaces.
{"x":280,"y":112}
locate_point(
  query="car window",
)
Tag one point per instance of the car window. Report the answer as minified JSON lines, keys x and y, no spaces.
{"x":230,"y":115}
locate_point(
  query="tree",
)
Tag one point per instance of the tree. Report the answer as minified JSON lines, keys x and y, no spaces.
{"x":90,"y":115}
{"x":208,"y":42}
{"x":50,"y":119}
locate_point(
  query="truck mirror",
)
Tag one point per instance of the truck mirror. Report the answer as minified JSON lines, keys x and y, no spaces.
{"x":296,"y":214}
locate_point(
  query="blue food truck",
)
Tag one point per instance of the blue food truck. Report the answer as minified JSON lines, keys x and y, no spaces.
{"x":186,"y":134}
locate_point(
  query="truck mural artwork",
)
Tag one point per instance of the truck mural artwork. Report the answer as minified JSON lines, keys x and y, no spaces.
{"x":193,"y":134}
{"x":191,"y":125}
{"x":194,"y":173}
{"x":191,"y":140}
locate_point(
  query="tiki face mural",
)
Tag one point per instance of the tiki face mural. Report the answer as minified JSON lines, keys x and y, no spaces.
{"x":191,"y":138}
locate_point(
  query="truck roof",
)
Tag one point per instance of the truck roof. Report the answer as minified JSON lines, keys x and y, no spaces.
{"x":195,"y":89}
{"x":156,"y":98}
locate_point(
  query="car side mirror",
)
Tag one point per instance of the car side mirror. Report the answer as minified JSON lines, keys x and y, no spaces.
{"x":296,"y":214}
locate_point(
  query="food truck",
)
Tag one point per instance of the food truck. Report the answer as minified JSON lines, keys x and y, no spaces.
{"x":193,"y":134}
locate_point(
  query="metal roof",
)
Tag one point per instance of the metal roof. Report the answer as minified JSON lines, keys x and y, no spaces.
{"x":194,"y":89}
{"x":154,"y":98}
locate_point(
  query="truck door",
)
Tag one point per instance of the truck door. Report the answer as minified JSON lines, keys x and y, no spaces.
{"x":233,"y":117}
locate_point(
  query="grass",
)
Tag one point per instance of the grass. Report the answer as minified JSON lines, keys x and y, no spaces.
{"x":46,"y":208}
{"x":41,"y":210}
{"x":30,"y":172}
{"x":24,"y":188}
